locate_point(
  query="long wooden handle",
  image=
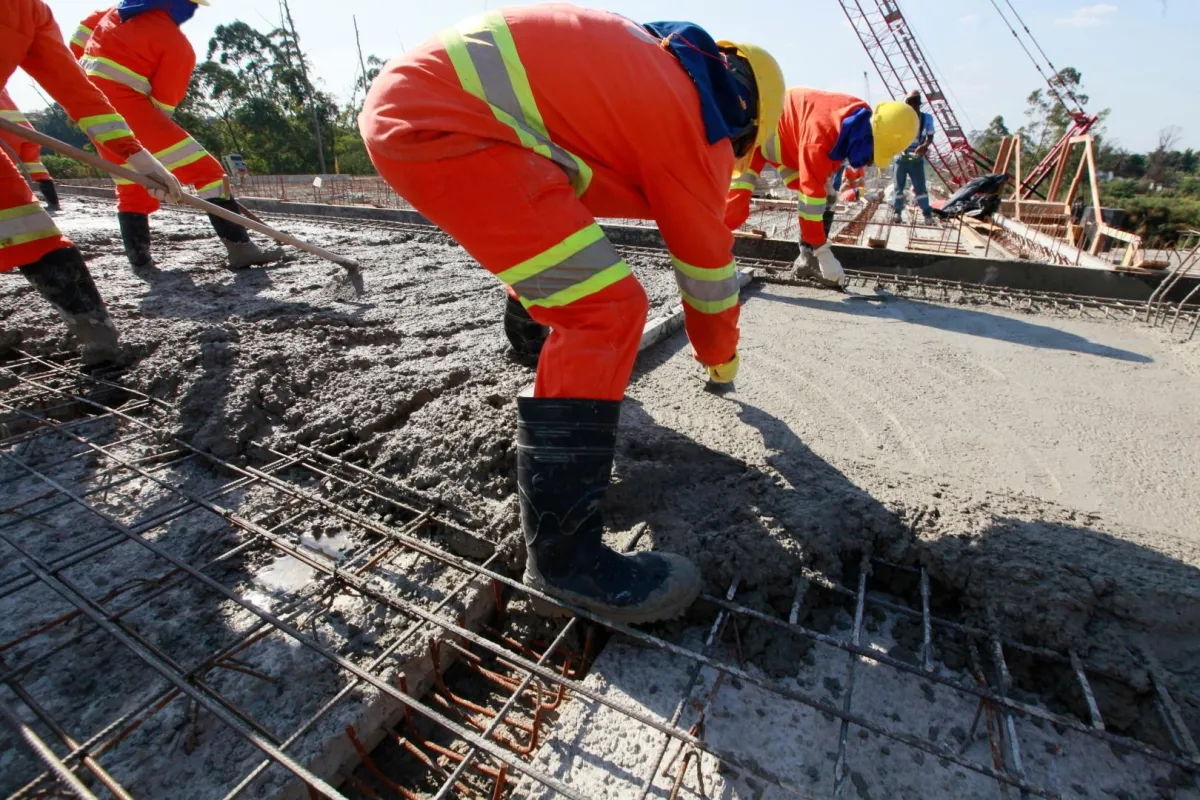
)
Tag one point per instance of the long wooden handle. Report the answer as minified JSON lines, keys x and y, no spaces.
{"x":188,"y":200}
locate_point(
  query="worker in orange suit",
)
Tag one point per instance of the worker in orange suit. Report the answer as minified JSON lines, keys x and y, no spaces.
{"x":502,"y":133}
{"x":29,"y":152}
{"x":138,"y":56}
{"x":817,"y":133}
{"x":29,"y":239}
{"x":854,"y":180}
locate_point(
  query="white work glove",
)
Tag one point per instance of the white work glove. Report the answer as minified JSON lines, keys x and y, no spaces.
{"x":143,"y":163}
{"x":831,"y":268}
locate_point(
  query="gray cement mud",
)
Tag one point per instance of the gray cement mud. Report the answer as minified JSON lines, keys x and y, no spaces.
{"x":1039,"y":467}
{"x":413,"y":379}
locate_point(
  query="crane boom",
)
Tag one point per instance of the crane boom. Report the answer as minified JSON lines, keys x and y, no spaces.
{"x":902,"y":66}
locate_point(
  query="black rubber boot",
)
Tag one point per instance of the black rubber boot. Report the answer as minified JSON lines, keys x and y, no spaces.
{"x":135,"y":233}
{"x":242,"y":252}
{"x":564,"y":462}
{"x":63,"y":279}
{"x":525,"y":335}
{"x":50,"y":193}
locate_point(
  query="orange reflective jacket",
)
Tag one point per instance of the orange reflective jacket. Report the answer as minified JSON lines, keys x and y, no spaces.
{"x":148,"y":55}
{"x":799,"y":150}
{"x":31,"y":39}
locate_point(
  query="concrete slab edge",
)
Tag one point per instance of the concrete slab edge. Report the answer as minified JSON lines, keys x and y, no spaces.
{"x":1019,"y":275}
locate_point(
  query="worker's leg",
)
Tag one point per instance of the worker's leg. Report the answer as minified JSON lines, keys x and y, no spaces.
{"x":516,"y":213}
{"x":208,"y":177}
{"x":899,"y":179}
{"x":922,"y":193}
{"x":31,"y":242}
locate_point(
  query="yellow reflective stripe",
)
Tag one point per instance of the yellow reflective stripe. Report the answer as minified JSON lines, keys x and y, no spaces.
{"x":213,"y":190}
{"x":709,"y":291}
{"x":743,"y":186}
{"x":163,"y":107}
{"x":811,"y":208}
{"x":25,"y":223}
{"x":812,"y":217}
{"x":82,"y":34}
{"x":787,"y":174}
{"x":34,"y":166}
{"x":712,"y":275}
{"x":488,"y":66}
{"x":185,"y":151}
{"x":771,"y":148}
{"x":810,"y":201}
{"x":709,"y":306}
{"x":14,"y":116}
{"x":598,"y":282}
{"x":580,"y":265}
{"x":100,"y":67}
{"x":548,"y":258}
{"x":105,"y":127}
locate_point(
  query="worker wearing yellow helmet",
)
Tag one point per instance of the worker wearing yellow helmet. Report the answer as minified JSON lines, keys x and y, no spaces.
{"x":818,"y":132}
{"x":514,"y":131}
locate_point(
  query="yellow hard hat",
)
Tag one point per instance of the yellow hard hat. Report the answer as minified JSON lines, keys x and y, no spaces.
{"x":894,"y":126}
{"x":768,"y":80}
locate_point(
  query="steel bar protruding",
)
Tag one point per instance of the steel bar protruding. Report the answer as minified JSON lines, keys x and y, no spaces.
{"x":1081,"y":676}
{"x":43,"y":751}
{"x":926,"y":624}
{"x":1003,"y":684}
{"x":840,"y":770}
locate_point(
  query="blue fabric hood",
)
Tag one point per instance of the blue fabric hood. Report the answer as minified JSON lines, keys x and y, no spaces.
{"x":180,"y":10}
{"x":721,"y":105}
{"x":856,"y":142}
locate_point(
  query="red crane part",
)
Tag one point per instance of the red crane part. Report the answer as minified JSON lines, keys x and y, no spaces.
{"x":892,"y":48}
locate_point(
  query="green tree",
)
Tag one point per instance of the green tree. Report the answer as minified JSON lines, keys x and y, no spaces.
{"x":987,"y":141}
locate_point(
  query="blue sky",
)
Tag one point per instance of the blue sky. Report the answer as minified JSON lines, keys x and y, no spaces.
{"x":1137,"y":57}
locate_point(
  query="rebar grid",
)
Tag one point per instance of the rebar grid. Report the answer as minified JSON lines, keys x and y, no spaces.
{"x":36,"y":378}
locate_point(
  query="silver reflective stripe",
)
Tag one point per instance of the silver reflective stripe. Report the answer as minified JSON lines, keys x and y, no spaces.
{"x":771,"y":148}
{"x":172,"y":158}
{"x":812,"y":208}
{"x":97,"y":131}
{"x":787,"y":174}
{"x":572,"y":270}
{"x":99,"y":68}
{"x":709,"y":291}
{"x":499,"y":91}
{"x":14,"y":116}
{"x":24,"y":220}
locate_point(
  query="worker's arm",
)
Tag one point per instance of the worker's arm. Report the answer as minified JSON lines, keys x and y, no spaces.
{"x":83,"y":33}
{"x":815,"y":171}
{"x":927,"y":135}
{"x":49,"y":62}
{"x":169,"y":83}
{"x":688,"y":206}
{"x":737,"y":203}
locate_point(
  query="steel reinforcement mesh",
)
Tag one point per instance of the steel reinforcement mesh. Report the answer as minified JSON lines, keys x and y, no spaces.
{"x":89,"y":467}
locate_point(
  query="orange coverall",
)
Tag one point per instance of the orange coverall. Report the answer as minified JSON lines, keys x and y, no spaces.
{"x":515,"y":130}
{"x":799,"y":150}
{"x":31,"y":39}
{"x":29,"y":152}
{"x":144,"y":66}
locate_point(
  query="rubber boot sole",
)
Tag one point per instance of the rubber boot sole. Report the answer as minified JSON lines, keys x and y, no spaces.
{"x":669,"y":602}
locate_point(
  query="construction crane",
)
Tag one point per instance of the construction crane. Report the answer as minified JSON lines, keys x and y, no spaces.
{"x":1081,"y":120}
{"x":902,"y":66}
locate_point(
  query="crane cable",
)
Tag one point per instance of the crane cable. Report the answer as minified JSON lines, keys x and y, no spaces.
{"x":1055,"y":90}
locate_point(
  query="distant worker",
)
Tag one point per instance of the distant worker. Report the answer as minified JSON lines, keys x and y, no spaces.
{"x":854,"y":180}
{"x":29,"y":239}
{"x":911,"y":163}
{"x":29,"y":152}
{"x":137,"y":55}
{"x":817,"y":133}
{"x":503,"y":134}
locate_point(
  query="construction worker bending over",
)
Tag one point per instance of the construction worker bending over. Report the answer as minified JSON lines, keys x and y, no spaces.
{"x":513,"y":132}
{"x":911,"y":163}
{"x":137,"y":55}
{"x":851,"y":185}
{"x":29,"y":152}
{"x":817,"y":133}
{"x":29,"y":239}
